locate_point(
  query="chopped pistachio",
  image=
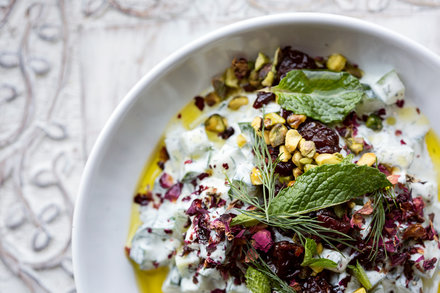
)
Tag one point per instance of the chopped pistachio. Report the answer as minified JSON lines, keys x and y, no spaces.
{"x":307,"y":148}
{"x":319,"y":248}
{"x":354,"y":70}
{"x":268,"y":80}
{"x":296,"y":158}
{"x":241,"y":140}
{"x":285,"y":179}
{"x":374,"y":122}
{"x":367,"y":159}
{"x":271,"y":119}
{"x":257,"y":123}
{"x":327,"y":159}
{"x":237,"y":102}
{"x":230,"y":79}
{"x":306,"y":161}
{"x":277,"y":134}
{"x":309,"y":167}
{"x":316,"y":270}
{"x":212,"y":98}
{"x":339,"y":211}
{"x":276,"y":56}
{"x":295,"y":120}
{"x":256,"y":176}
{"x":253,"y":79}
{"x":296,"y":172}
{"x":336,"y":62}
{"x":216,"y":123}
{"x":355,"y":144}
{"x":260,"y":61}
{"x":285,"y":155}
{"x":292,"y":139}
{"x":351,"y":204}
{"x":220,"y":88}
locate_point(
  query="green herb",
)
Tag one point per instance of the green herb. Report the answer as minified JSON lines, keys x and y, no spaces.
{"x":374,"y":122}
{"x":378,"y":220}
{"x":326,"y":186}
{"x":326,"y":96}
{"x":245,"y":220}
{"x":257,"y":281}
{"x":359,"y":273}
{"x":266,"y":166}
{"x":310,"y":251}
{"x":261,"y":266}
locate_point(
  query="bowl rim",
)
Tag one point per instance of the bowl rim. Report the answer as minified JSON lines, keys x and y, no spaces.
{"x":167,"y":64}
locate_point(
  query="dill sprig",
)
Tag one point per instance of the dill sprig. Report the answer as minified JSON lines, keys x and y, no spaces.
{"x":377,"y":224}
{"x":303,"y":226}
{"x":266,"y":166}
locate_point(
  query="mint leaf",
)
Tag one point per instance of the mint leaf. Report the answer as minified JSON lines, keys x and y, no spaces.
{"x":360,"y":274}
{"x":310,"y":252}
{"x":326,"y":186}
{"x":322,"y":263}
{"x":245,"y":220}
{"x":323,"y":95}
{"x":256,"y":281}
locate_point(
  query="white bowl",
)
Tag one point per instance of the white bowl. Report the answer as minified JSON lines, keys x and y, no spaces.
{"x":102,"y":211}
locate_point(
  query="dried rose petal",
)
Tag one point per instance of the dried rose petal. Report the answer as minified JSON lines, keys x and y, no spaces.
{"x":251,"y":256}
{"x":429,"y":264}
{"x":394,"y":179}
{"x":165,"y":181}
{"x":415,"y":231}
{"x":197,"y":207}
{"x":143,"y":199}
{"x":174,"y":192}
{"x":263,"y":240}
{"x":356,"y":221}
{"x":367,"y":209}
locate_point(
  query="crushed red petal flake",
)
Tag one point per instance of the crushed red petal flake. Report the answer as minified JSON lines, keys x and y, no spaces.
{"x":400,"y":103}
{"x":429,"y":264}
{"x":199,"y":102}
{"x":227,"y":133}
{"x":402,"y":142}
{"x":197,"y":207}
{"x":173,"y":193}
{"x":143,"y":199}
{"x":187,"y":162}
{"x":381,"y":112}
{"x":179,"y":116}
{"x":262,"y":240}
{"x":226,"y":166}
{"x":165,"y":180}
{"x":398,"y":132}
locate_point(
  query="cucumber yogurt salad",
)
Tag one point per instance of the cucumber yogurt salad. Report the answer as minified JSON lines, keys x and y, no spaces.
{"x":299,"y":175}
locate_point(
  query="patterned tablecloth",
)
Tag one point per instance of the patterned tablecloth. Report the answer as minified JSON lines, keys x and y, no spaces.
{"x":65,"y":65}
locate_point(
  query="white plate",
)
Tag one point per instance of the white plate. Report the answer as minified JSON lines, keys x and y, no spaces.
{"x":103,"y":207}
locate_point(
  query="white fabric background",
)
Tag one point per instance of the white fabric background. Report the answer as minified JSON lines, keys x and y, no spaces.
{"x":65,"y":65}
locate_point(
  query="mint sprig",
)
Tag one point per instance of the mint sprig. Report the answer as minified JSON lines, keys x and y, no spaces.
{"x":323,"y":95}
{"x":326,"y":186}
